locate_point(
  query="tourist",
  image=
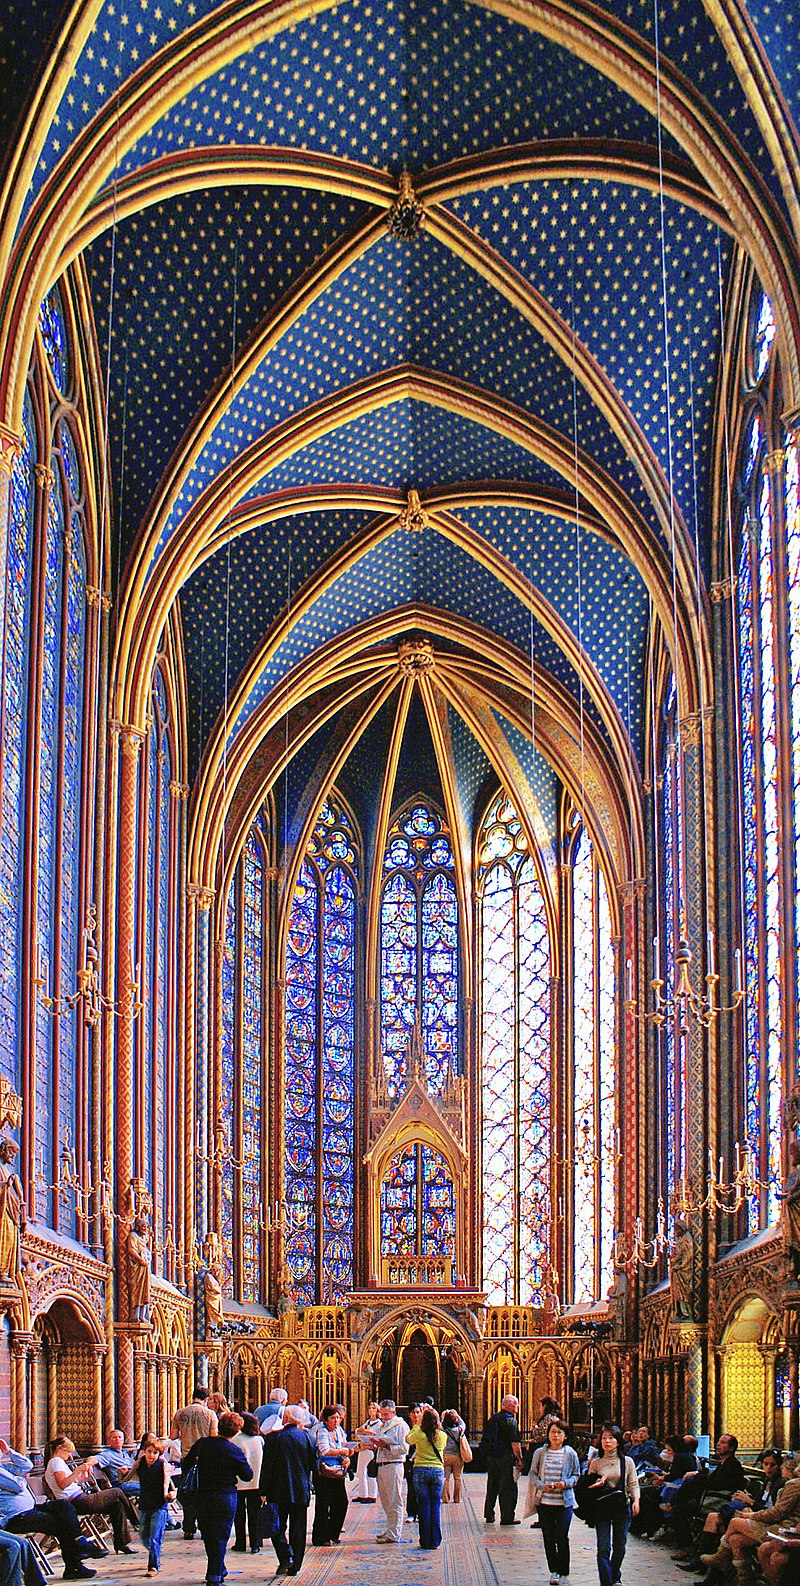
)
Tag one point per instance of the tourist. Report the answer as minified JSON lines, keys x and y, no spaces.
{"x":644,"y":1451}
{"x":194,"y":1421}
{"x":220,"y":1462}
{"x":615,"y":1489}
{"x":501,"y":1448}
{"x":366,"y":1488}
{"x":19,"y":1565}
{"x":218,"y":1403}
{"x":455,"y":1429}
{"x":155,"y":1492}
{"x":390,"y":1446}
{"x":659,"y":1487}
{"x":555,"y":1468}
{"x":113,"y":1460}
{"x":248,"y":1498}
{"x":747,"y":1533}
{"x":62,"y":1480}
{"x":429,"y":1441}
{"x":286,"y":1470}
{"x":414,"y":1420}
{"x":21,"y":1515}
{"x":722,"y":1481}
{"x":270,"y":1416}
{"x":333,"y":1459}
{"x":742,"y":1502}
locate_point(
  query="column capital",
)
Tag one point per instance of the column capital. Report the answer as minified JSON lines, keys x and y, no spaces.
{"x":44,"y":476}
{"x":774,"y":460}
{"x":10,"y":449}
{"x":723,"y":589}
{"x":629,"y":891}
{"x":130,"y":739}
{"x":179,"y":790}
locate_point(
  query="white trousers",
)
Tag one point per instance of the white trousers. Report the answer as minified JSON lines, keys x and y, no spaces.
{"x":365,"y":1486}
{"x":390,"y":1489}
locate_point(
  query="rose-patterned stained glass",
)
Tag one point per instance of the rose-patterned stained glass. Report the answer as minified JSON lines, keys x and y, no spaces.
{"x":252,"y":1049}
{"x":515,"y":1052}
{"x":228,"y":1065}
{"x":54,"y":337}
{"x":320,"y":1056}
{"x":419,"y":948}
{"x":17,"y":609}
{"x":594,"y":1074}
{"x":418,"y":1205}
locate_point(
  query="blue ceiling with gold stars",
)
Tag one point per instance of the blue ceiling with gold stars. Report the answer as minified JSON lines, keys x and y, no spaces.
{"x":223,"y":296}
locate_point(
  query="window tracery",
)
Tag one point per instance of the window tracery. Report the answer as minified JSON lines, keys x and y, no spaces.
{"x":516,"y":1061}
{"x":419,"y":948}
{"x":594,"y":1073}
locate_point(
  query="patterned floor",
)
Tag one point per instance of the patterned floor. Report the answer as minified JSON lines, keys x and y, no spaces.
{"x":472,"y":1554}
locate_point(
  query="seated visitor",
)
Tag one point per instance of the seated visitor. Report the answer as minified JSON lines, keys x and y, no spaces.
{"x":747,"y":1532}
{"x":20,"y":1515}
{"x":63,"y":1479}
{"x":700,"y":1490}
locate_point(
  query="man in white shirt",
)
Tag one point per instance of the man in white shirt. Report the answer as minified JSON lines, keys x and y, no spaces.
{"x":272,"y":1420}
{"x":390,"y":1446}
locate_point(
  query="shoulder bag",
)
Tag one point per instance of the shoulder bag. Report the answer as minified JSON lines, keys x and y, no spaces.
{"x":465,"y":1449}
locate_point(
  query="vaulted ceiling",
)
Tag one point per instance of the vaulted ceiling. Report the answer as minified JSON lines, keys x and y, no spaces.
{"x":287,"y":352}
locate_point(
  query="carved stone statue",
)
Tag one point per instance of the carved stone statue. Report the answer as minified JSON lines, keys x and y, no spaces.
{"x":13,"y":1214}
{"x":285,"y":1306}
{"x":681,"y":1274}
{"x":790,"y":1209}
{"x":212,"y":1297}
{"x":139,"y":1254}
{"x":617,"y":1299}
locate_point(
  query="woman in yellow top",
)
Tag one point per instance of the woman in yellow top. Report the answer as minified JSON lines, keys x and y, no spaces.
{"x":428,"y":1441}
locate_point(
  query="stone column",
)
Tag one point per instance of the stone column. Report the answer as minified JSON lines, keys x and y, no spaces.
{"x":54,"y":1352}
{"x":99,"y":1352}
{"x":20,"y":1345}
{"x":130,"y":745}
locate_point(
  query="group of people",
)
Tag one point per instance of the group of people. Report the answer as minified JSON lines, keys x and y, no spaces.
{"x":721,"y":1519}
{"x":609,"y":1477}
{"x":256,"y":1474}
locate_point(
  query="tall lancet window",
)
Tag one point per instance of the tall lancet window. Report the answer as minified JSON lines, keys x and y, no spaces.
{"x":244,"y":1027}
{"x":672,"y":848}
{"x":758,"y":683}
{"x":419,"y":948}
{"x":319,"y":1073}
{"x":58,"y":633}
{"x":157,"y":1039}
{"x":516,"y":1061}
{"x":594,"y":1073}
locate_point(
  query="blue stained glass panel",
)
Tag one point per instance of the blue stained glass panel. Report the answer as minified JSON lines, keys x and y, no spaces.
{"x":438,"y":1232}
{"x":771,"y":852}
{"x":73,"y":686}
{"x":49,"y":706}
{"x":399,"y":1205}
{"x":499,"y":1085}
{"x":439,"y":980}
{"x":18,"y":567}
{"x":399,"y":937}
{"x":792,"y":501}
{"x":585,"y":1228}
{"x":747,"y":698}
{"x":161,"y":1055}
{"x":338,"y":1036}
{"x":300,"y":1160}
{"x":252,"y":1044}
{"x":764,"y":335}
{"x":535,"y":1122}
{"x":228,"y":1063}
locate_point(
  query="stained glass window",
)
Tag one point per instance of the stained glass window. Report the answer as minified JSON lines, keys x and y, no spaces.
{"x":792,"y":445}
{"x":319,"y":1063}
{"x":594,"y":1074}
{"x":418,"y":1205}
{"x":672,"y":841}
{"x":15,"y":679}
{"x":516,"y":1061}
{"x":419,"y":949}
{"x":49,"y":701}
{"x":761,"y":890}
{"x":54,"y":336}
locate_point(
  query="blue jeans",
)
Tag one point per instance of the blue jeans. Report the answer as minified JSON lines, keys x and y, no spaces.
{"x":151,"y":1531}
{"x":555,"y":1520}
{"x":428,"y":1487}
{"x":612,"y":1534}
{"x":215,"y":1518}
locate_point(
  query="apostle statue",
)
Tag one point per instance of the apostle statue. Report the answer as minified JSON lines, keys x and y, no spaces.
{"x":139,"y":1253}
{"x":617,"y":1300}
{"x":790,"y":1209}
{"x":13,"y":1214}
{"x":681,"y":1274}
{"x":212,"y":1296}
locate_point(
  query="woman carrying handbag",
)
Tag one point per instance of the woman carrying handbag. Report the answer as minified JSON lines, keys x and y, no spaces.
{"x":615,"y":1488}
{"x":555,"y":1468}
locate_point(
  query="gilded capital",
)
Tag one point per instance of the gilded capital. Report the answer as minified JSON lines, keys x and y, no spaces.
{"x":723,"y":590}
{"x":10,"y":449}
{"x":774,"y":461}
{"x":44,"y":476}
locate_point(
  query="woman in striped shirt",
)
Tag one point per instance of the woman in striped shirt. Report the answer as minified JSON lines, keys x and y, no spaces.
{"x":555,"y":1468}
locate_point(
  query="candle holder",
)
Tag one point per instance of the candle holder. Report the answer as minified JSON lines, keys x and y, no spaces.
{"x":642,"y":1252}
{"x":721,"y":1195}
{"x":220,"y":1158}
{"x":684,"y":1001}
{"x":89,"y":995}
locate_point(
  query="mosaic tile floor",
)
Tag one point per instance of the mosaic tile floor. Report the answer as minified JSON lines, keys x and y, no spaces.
{"x":472,"y":1554}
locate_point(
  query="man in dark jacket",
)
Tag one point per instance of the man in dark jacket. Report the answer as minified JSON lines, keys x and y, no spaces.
{"x":503,"y":1452}
{"x":289,"y":1460}
{"x":697,"y":1493}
